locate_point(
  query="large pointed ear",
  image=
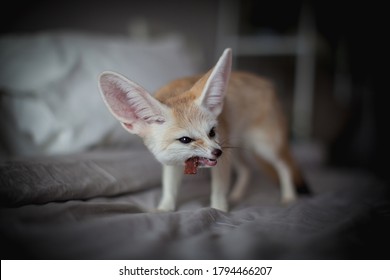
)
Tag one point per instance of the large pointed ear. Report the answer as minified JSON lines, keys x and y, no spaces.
{"x":131,"y":104}
{"x":213,"y":92}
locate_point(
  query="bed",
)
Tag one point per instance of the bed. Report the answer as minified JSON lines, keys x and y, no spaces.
{"x":73,"y":185}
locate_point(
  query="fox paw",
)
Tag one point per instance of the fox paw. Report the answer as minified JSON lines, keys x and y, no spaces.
{"x":288,"y":199}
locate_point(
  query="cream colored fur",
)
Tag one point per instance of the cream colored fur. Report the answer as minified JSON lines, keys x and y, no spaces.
{"x":241,"y":108}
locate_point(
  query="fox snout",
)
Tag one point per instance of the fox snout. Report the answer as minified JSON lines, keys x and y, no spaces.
{"x":217,"y":153}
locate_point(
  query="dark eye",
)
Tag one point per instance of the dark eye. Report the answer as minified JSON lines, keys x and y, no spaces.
{"x":212,"y":132}
{"x":185,"y":140}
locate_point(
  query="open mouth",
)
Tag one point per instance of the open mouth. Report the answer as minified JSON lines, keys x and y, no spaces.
{"x":192,"y":164}
{"x":207,"y":161}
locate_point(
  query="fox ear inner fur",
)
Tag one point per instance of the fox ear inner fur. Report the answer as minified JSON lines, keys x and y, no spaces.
{"x":130,"y":103}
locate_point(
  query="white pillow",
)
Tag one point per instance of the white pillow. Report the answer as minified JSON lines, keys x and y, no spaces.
{"x":50,"y":101}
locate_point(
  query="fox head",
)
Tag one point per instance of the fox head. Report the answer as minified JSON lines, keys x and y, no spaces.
{"x":179,"y":127}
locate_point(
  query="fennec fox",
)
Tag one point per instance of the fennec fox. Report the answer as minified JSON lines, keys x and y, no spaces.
{"x":191,"y":120}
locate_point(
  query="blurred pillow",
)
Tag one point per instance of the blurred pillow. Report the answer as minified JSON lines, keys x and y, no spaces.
{"x":50,"y":102}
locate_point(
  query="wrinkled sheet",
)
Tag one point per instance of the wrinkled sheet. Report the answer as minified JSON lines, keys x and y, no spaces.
{"x":99,"y":205}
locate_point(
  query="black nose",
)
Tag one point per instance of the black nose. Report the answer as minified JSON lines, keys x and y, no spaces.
{"x":216,"y":152}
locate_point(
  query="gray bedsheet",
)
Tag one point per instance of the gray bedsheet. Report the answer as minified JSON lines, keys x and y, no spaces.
{"x":98,"y":205}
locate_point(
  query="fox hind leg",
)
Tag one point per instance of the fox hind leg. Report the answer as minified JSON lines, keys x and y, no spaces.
{"x":274,"y":154}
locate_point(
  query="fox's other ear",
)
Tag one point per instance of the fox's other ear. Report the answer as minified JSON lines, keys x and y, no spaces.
{"x":214,"y":90}
{"x":129,"y":103}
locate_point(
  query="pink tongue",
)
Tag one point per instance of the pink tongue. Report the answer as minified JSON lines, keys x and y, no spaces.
{"x":208,"y":162}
